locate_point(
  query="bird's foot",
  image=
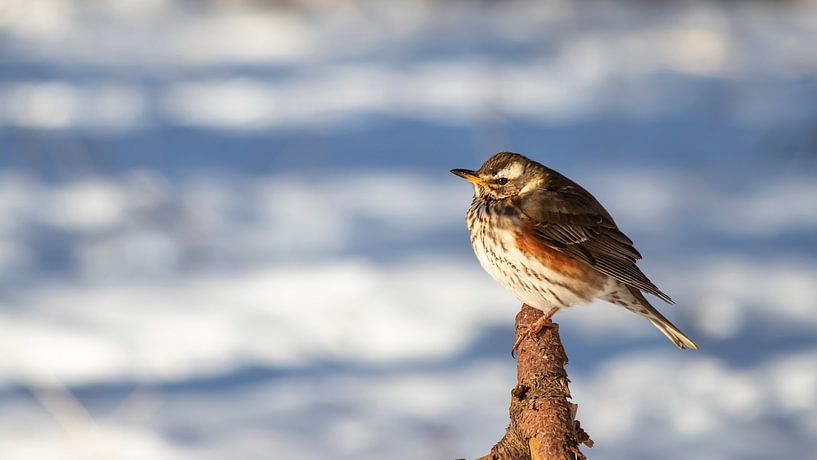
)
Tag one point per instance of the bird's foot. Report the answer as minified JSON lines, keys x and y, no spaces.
{"x":535,"y":328}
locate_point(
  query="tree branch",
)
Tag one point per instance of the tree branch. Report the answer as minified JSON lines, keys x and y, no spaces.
{"x":543,"y":421}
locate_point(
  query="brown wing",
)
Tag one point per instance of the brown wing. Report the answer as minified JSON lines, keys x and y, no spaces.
{"x":571,"y":221}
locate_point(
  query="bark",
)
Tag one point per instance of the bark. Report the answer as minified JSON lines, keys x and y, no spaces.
{"x":543,"y":422}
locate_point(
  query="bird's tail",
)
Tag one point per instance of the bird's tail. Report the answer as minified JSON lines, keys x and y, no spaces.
{"x":673,"y":333}
{"x":663,"y":324}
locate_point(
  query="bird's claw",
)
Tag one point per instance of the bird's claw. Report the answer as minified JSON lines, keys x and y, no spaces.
{"x":535,"y":329}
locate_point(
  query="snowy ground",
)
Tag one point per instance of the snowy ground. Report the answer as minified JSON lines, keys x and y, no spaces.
{"x":230,"y":232}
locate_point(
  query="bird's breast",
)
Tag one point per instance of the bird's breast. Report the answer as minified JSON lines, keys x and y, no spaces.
{"x":536,"y":273}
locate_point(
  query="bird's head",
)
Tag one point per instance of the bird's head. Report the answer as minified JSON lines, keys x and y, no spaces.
{"x":504,"y":175}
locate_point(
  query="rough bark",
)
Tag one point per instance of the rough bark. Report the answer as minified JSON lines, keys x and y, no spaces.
{"x":543,"y":422}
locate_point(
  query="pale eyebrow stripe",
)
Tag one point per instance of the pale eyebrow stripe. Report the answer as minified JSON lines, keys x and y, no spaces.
{"x":512,"y":171}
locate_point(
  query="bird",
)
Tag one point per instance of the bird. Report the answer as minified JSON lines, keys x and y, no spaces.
{"x":551,"y":243}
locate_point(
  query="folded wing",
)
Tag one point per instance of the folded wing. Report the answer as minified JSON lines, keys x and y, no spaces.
{"x":571,"y":221}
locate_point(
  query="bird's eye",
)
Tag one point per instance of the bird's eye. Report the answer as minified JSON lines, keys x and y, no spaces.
{"x":501,"y":181}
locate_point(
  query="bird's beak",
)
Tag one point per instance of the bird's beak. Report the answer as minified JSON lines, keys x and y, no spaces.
{"x":467,"y":174}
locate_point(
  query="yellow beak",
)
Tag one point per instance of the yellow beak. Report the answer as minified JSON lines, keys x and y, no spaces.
{"x":467,"y":174}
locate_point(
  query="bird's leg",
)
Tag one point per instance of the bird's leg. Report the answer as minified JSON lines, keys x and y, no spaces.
{"x":543,"y":321}
{"x":534,"y":329}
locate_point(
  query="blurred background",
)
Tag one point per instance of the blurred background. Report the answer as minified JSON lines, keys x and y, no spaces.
{"x":229,"y":232}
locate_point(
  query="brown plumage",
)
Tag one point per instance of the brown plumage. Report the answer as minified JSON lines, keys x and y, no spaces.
{"x":551,"y":243}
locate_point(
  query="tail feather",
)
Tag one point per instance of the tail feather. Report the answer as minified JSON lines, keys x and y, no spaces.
{"x":660,"y":322}
{"x":673,"y":333}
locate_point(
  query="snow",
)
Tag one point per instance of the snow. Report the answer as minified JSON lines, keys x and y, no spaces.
{"x":229,"y":230}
